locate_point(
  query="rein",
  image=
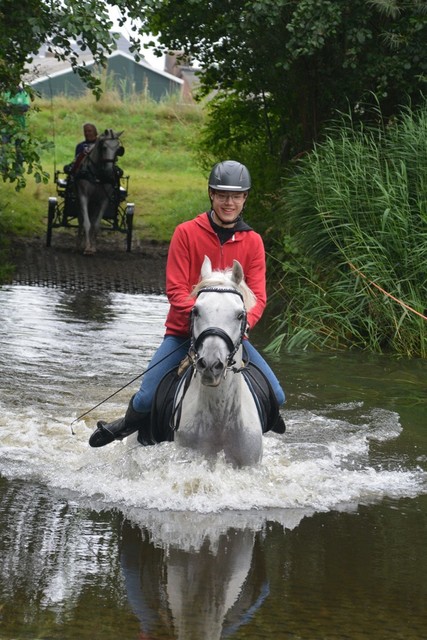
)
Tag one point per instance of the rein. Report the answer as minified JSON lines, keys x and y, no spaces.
{"x":123,"y":387}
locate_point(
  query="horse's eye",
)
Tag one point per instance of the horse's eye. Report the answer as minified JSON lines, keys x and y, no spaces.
{"x":240,"y":315}
{"x":195,"y":312}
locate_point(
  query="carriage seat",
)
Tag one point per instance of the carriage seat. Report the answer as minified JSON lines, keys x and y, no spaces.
{"x":62,"y":185}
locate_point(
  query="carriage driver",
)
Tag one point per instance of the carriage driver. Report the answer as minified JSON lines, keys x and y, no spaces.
{"x":223,"y":236}
{"x":83,"y":148}
{"x":90,"y":133}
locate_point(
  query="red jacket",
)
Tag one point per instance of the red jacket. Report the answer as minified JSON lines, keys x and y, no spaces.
{"x":190,"y":243}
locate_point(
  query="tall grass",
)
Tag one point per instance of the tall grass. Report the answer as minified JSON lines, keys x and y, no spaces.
{"x":166,"y":183}
{"x":355,"y":213}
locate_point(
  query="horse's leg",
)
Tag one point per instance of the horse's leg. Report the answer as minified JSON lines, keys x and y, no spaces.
{"x":93,"y":215}
{"x":243,"y":442}
{"x":80,"y":235}
{"x":85,"y":219}
{"x":87,"y":250}
{"x":96,"y":215}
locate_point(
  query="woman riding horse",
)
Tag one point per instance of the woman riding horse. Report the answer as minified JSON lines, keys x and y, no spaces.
{"x":223,"y":236}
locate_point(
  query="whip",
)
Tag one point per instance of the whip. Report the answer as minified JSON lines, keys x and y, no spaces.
{"x":126,"y":385}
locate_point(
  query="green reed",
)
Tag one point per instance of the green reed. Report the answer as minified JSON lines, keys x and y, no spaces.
{"x":355,"y":213}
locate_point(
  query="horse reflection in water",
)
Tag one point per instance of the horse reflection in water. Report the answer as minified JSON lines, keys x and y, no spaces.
{"x":97,"y":181}
{"x":206,"y":593}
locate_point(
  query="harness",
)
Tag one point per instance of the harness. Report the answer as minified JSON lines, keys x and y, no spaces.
{"x":86,"y":169}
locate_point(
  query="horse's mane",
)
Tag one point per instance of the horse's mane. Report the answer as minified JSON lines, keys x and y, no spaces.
{"x":223,"y":279}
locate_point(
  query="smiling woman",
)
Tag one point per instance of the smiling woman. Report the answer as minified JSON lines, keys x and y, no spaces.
{"x":192,"y":243}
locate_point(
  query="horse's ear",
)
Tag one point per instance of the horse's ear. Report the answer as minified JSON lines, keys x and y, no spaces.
{"x":237,"y":272}
{"x":206,"y":271}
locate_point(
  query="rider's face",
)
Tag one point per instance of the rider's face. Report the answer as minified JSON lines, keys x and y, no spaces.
{"x":227,"y":206}
{"x":89,"y":133}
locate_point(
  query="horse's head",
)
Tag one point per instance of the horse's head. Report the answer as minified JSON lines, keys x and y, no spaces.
{"x":219,"y":320}
{"x":109,"y":147}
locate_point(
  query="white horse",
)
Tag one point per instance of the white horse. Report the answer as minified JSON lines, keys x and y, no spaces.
{"x":96,"y":181}
{"x":214,"y":407}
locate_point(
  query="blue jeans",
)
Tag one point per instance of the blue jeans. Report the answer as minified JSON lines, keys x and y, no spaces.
{"x":168,"y":356}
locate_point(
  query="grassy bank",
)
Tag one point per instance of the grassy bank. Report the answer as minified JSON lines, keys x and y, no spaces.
{"x":166,"y":184}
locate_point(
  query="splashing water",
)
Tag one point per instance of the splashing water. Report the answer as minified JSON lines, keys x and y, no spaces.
{"x":59,"y":357}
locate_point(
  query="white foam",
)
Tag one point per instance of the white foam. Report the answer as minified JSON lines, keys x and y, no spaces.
{"x":324,"y":469}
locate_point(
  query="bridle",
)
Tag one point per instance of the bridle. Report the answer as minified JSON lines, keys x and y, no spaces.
{"x":196,"y":343}
{"x":101,"y":168}
{"x":217,"y":331}
{"x":104,"y":142}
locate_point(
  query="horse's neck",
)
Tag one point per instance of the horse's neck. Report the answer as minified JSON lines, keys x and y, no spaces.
{"x":91,"y":162}
{"x":93,"y":155}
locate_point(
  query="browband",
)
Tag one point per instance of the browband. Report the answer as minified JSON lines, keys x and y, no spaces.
{"x":219,"y":290}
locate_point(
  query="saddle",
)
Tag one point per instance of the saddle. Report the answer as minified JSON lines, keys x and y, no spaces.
{"x":163,"y":416}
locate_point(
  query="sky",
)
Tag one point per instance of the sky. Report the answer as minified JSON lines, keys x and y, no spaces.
{"x":157,"y":63}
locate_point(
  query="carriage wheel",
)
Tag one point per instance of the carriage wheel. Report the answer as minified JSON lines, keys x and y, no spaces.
{"x":51,"y":210}
{"x":130,"y":210}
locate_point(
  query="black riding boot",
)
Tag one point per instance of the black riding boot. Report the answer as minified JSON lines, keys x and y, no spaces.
{"x":279,"y":426}
{"x":133,"y":421}
{"x":145,"y":433}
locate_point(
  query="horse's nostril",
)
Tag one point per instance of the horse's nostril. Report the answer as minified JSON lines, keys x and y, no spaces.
{"x":218,"y":367}
{"x":201,"y":364}
{"x":213,"y":368}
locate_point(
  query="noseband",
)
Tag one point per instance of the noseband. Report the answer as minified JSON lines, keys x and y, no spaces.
{"x":217,"y":331}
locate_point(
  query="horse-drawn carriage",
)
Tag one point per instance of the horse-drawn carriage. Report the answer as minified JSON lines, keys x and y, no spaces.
{"x":93,"y":196}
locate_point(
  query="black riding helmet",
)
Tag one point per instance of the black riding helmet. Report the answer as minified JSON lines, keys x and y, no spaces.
{"x":229,"y":176}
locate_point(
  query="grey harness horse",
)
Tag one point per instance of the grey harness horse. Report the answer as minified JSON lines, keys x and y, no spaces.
{"x":95,"y":181}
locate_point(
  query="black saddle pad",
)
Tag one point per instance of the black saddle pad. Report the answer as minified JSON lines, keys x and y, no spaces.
{"x":161,"y":411}
{"x":263,"y":394}
{"x":163,"y":405}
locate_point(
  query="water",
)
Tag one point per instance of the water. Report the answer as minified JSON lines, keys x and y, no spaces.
{"x":325,"y":539}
